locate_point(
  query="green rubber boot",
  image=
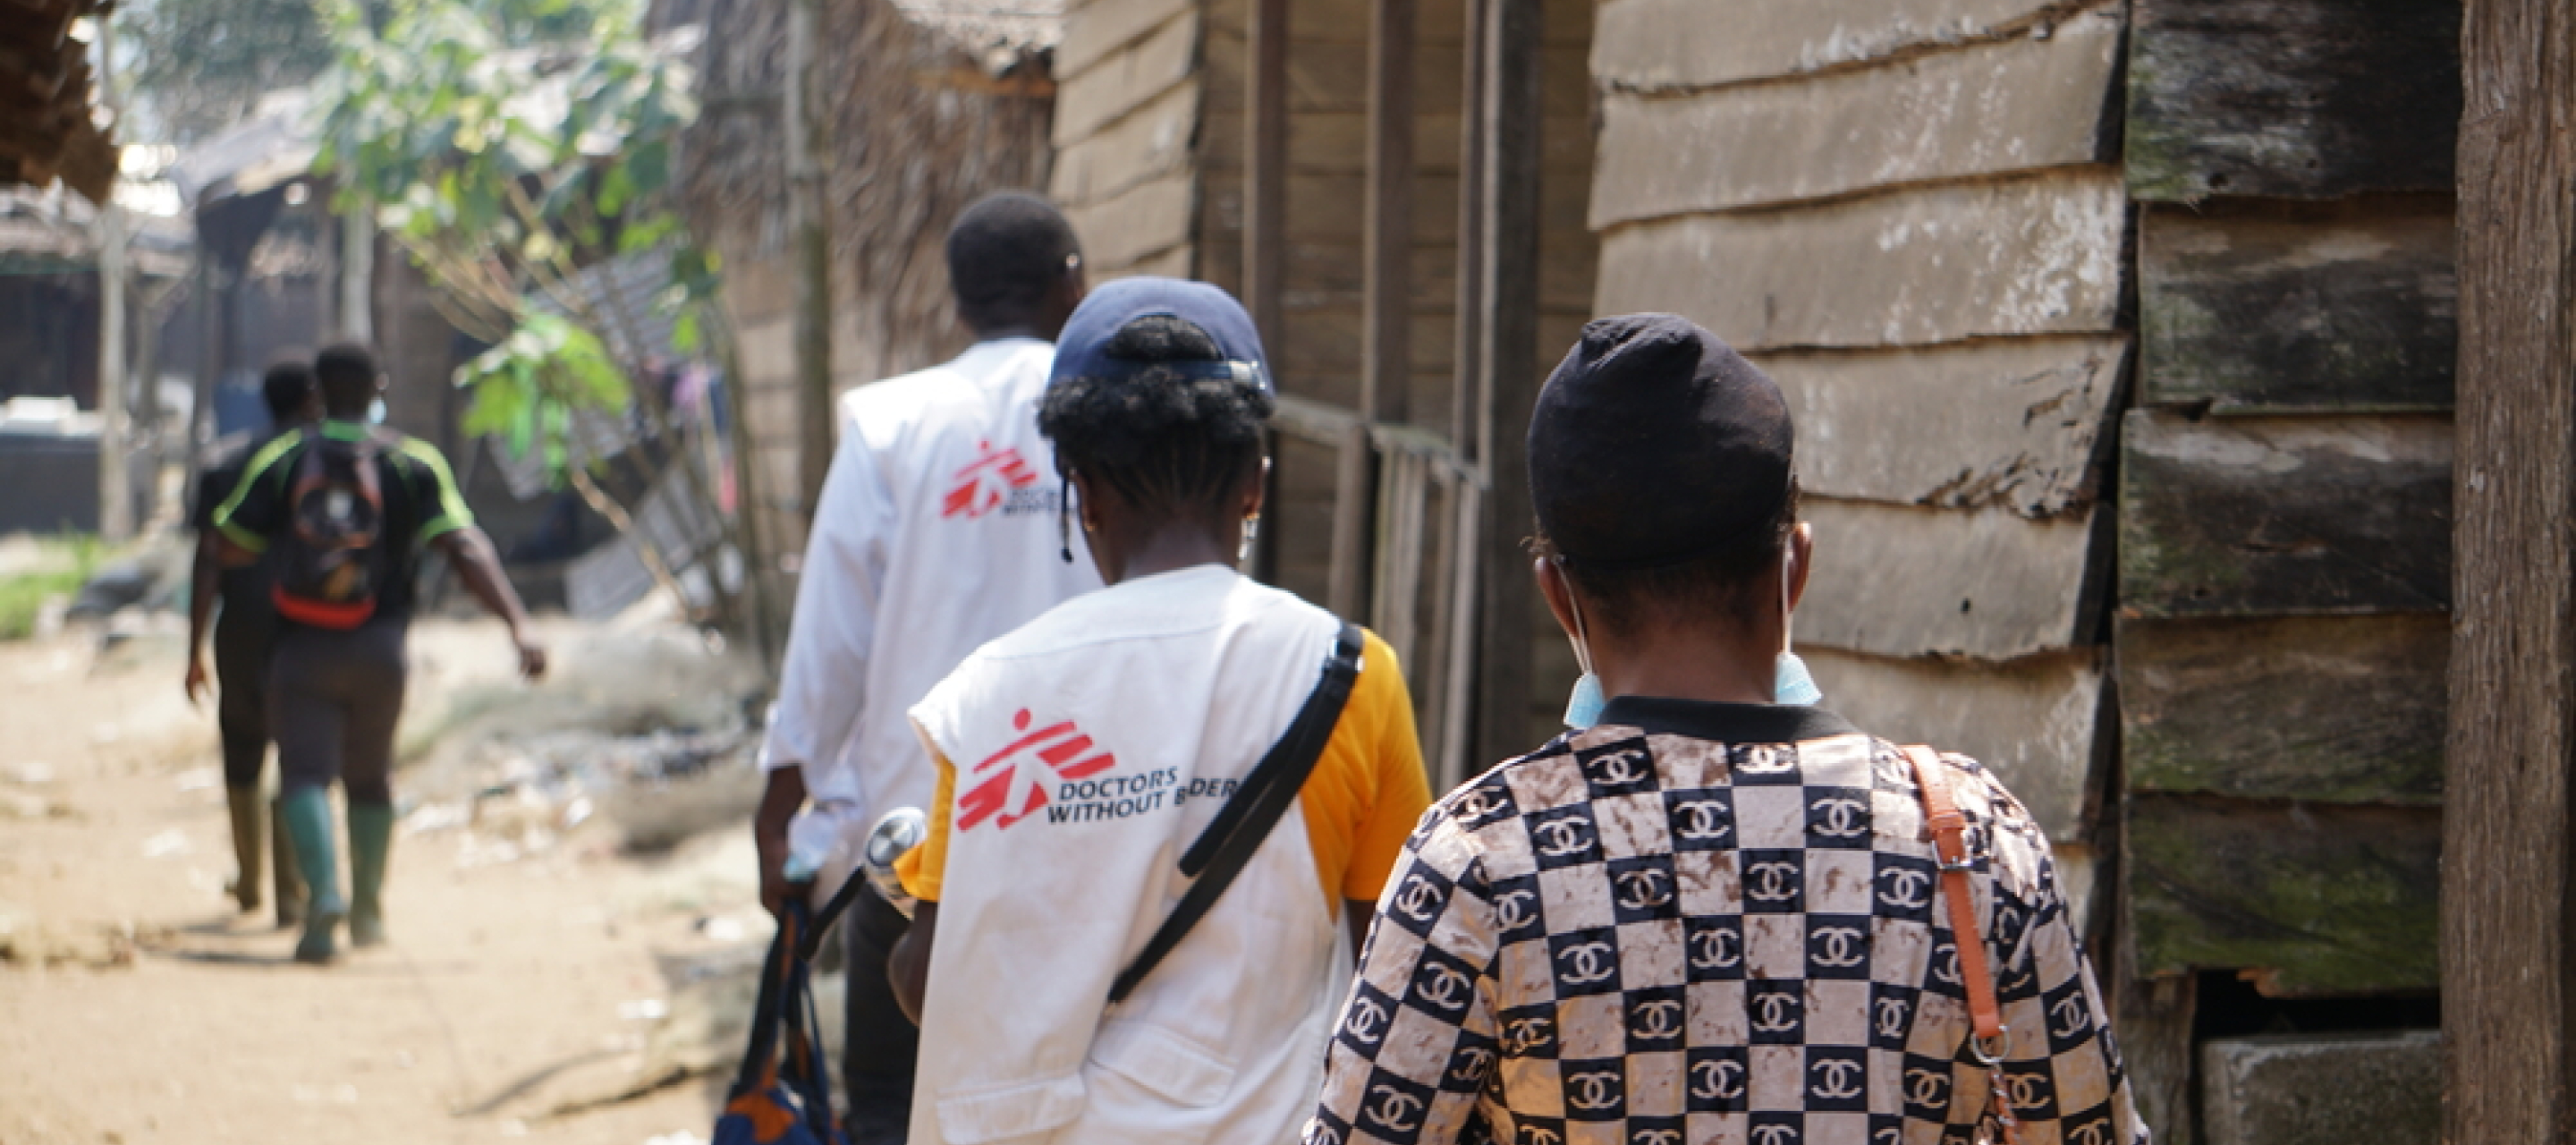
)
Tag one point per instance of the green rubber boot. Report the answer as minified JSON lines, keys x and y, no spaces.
{"x":307,"y":811}
{"x":290,"y":879}
{"x":371,"y":840}
{"x":250,"y":820}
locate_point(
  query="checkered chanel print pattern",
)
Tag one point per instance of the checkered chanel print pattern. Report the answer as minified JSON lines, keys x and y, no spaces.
{"x":1657,"y":939}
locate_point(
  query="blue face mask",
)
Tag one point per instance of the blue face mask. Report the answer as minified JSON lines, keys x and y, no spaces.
{"x":1790,"y":682}
{"x":1584,"y":709}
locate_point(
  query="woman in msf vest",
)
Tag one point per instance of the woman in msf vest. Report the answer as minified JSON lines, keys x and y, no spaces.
{"x":1082,"y":755}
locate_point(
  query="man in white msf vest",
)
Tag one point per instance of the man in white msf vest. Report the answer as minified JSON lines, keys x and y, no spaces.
{"x":937,"y":531}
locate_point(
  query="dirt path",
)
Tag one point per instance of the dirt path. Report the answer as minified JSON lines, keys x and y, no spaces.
{"x":527,"y":983}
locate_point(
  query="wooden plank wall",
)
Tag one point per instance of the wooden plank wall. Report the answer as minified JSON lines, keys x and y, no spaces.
{"x":2284,"y":505}
{"x":2285,"y":487}
{"x":1129,"y":100}
{"x":1317,"y":350}
{"x":1909,"y":212}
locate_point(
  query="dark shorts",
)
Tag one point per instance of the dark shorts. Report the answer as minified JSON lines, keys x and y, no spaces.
{"x":244,"y":637}
{"x":333,"y":700}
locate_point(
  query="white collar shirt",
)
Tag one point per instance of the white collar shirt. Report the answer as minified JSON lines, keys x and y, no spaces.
{"x":937,"y":530}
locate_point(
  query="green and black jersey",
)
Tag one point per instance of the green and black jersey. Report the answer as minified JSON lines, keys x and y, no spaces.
{"x":422,"y":502}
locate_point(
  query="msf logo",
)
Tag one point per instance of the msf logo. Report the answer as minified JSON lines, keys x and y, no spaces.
{"x":1011,"y":784}
{"x":986,"y":482}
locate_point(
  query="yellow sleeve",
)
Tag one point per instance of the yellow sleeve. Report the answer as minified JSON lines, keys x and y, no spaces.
{"x":924,"y":869}
{"x":1369,"y":789}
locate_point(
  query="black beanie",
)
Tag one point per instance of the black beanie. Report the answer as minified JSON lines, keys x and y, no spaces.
{"x":1655,"y":443}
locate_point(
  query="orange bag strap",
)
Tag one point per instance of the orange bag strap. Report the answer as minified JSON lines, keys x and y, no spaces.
{"x":1950,"y":844}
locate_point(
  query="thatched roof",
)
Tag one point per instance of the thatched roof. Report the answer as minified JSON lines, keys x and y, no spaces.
{"x":47,"y":130}
{"x":53,"y":232}
{"x":999,"y":34}
{"x":935,"y":103}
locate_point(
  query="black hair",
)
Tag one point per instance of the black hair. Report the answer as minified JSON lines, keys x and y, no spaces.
{"x":1733,"y":578}
{"x":287,"y":387}
{"x":1005,"y":253}
{"x":347,"y":374}
{"x":1172,"y":445}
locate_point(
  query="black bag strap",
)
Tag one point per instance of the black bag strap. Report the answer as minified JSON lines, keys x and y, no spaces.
{"x":777,"y":984}
{"x":1221,"y":851}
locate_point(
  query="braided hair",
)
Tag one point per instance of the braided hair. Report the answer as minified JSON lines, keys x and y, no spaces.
{"x":1174,"y":443}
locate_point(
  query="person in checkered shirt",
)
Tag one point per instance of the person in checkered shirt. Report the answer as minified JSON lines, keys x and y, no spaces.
{"x":1704,"y":915}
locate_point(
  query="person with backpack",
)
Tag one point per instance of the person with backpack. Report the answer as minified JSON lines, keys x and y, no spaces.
{"x":1153,"y":800}
{"x":340,"y":513}
{"x":1711,"y":912}
{"x":243,"y":631}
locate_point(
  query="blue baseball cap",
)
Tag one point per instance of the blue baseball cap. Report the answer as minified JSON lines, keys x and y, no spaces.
{"x":1080,"y":351}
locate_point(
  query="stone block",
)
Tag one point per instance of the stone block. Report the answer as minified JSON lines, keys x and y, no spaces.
{"x":2323,"y":1089}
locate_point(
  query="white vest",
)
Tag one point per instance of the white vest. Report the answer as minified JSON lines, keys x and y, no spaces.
{"x":943,"y":534}
{"x":1091,"y":747}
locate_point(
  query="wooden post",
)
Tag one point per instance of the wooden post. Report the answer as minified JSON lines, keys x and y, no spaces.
{"x":1467,"y":423}
{"x":1265,"y":167}
{"x":115,"y":429}
{"x":358,"y":273}
{"x":210,"y":292}
{"x":2506,"y":883}
{"x":809,"y":223}
{"x":1506,"y":116}
{"x":1386,"y":370}
{"x":1386,"y":258}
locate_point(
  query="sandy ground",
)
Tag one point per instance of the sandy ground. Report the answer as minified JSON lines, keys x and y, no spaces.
{"x":538,"y":973}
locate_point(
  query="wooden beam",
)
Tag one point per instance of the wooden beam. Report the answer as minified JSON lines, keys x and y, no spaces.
{"x":1145,"y":144}
{"x":1673,"y":45}
{"x":1128,"y":79}
{"x":2313,"y":898}
{"x":2012,"y":105}
{"x":2035,"y":721}
{"x":1265,"y":167}
{"x":2277,"y":516}
{"x":2015,"y":423}
{"x":2506,"y":890}
{"x":2330,"y":709}
{"x":2036,"y":254}
{"x":1386,"y":372}
{"x":1386,"y":260}
{"x":2154,"y":1021}
{"x":807,"y":128}
{"x":2288,"y":307}
{"x":1902,"y":580}
{"x":1096,"y":29}
{"x":2297,"y":99}
{"x":1507,"y":116}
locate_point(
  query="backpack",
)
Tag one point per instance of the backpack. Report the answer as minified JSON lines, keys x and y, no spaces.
{"x":330,"y":559}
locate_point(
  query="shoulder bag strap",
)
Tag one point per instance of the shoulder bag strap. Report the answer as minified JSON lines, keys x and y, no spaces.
{"x":1220,"y":852}
{"x":760,"y":1056}
{"x":1949,"y":831}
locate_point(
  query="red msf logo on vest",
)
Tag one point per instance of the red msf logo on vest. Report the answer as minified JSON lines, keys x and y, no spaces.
{"x":987,"y":481}
{"x":1011,"y":784}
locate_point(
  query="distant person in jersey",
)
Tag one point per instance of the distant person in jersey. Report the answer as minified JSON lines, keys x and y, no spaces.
{"x":1081,"y":756}
{"x":343,"y":512}
{"x":243,"y":630}
{"x":936,"y":532}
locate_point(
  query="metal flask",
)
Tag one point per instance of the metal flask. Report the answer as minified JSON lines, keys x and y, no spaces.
{"x":890,"y":840}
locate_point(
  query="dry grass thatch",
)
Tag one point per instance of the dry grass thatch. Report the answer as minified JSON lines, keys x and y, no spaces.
{"x":47,"y":130}
{"x":934,"y":103}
